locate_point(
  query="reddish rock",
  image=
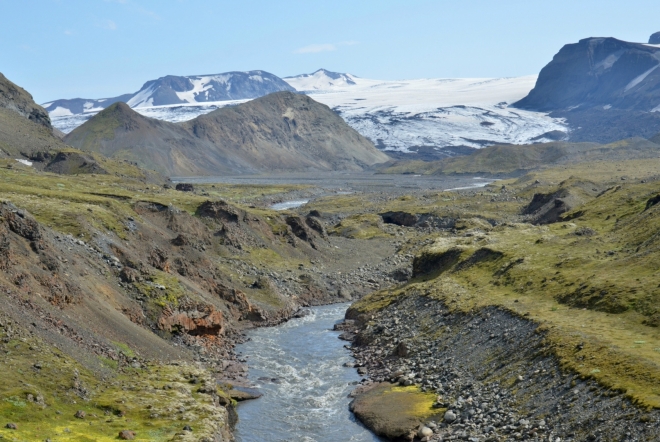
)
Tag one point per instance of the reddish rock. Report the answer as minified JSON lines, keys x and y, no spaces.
{"x":199,"y":320}
{"x":126,"y":435}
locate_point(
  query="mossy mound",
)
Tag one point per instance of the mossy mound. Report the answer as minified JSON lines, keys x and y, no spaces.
{"x":394,"y":412}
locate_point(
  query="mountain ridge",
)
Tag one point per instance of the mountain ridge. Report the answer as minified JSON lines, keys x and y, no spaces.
{"x":173,"y":89}
{"x":279,"y":132}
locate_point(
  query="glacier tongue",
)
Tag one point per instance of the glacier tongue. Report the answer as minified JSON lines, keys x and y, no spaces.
{"x":401,"y":115}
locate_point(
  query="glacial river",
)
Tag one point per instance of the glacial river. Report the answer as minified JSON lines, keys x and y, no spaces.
{"x":298,"y":366}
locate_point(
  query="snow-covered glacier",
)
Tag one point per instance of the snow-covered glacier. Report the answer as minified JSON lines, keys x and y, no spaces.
{"x":402,"y":115}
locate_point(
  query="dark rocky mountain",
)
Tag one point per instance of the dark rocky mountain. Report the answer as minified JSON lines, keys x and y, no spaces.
{"x":654,"y":39}
{"x":606,"y":89}
{"x":173,"y":89}
{"x":598,"y":72}
{"x":279,"y":132}
{"x":24,"y":125}
{"x":17,"y":99}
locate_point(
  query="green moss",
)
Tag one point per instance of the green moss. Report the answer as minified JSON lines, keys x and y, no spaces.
{"x":162,"y":289}
{"x":42,"y":401}
{"x":359,"y":227}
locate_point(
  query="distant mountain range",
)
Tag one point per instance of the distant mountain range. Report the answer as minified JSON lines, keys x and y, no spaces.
{"x":426,"y":117}
{"x":173,"y":89}
{"x":599,"y":90}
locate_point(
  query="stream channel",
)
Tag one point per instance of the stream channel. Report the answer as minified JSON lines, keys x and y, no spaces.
{"x":298,"y":366}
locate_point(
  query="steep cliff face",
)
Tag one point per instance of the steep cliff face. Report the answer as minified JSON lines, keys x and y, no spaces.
{"x":24,"y":126}
{"x":17,"y":99}
{"x":280,"y":132}
{"x":598,"y":72}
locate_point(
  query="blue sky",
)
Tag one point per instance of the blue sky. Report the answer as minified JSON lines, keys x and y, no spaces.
{"x":102,"y":48}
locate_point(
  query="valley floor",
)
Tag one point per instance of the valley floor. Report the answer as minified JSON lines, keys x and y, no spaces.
{"x":525,"y":309}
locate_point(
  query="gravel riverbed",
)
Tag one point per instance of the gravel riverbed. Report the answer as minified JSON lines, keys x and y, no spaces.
{"x":494,"y":378}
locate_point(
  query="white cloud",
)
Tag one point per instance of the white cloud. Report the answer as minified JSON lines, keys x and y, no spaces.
{"x":68,"y":32}
{"x":313,"y":49}
{"x":326,"y":47}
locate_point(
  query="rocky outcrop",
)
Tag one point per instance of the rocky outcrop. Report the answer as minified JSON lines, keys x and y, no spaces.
{"x":423,"y":220}
{"x":17,"y":99}
{"x":546,"y":208}
{"x":198,"y":320}
{"x":71,"y":163}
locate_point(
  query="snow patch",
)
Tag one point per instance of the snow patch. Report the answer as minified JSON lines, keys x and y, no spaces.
{"x":60,"y":111}
{"x":142,"y":98}
{"x":609,"y":61}
{"x":640,"y":78}
{"x":22,"y":161}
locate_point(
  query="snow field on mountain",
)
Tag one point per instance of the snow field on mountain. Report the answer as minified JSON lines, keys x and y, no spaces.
{"x":395,"y":115}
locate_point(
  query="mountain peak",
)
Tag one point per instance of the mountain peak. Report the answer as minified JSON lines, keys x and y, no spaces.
{"x":654,"y":39}
{"x":321,"y":79}
{"x":173,"y":89}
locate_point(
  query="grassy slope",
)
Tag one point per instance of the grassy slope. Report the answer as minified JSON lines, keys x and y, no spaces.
{"x":595,"y":294}
{"x":87,"y":203}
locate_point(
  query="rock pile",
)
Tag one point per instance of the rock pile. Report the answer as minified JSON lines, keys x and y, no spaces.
{"x":491,"y":373}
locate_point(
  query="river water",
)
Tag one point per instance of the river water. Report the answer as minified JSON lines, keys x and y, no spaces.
{"x":298,"y":366}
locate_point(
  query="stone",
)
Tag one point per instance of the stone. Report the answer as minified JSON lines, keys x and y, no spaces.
{"x":80,"y":414}
{"x":450,"y":416}
{"x":185,"y":187}
{"x":424,"y":431}
{"x":126,"y":435}
{"x":11,"y":426}
{"x":187,"y":428}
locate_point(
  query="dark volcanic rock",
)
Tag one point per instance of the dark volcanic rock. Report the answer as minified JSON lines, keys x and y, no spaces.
{"x":654,"y":39}
{"x":603,"y":72}
{"x":400,"y":218}
{"x":185,"y":187}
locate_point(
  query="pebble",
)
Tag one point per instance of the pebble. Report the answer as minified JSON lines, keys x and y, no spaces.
{"x":424,"y":432}
{"x":450,"y":416}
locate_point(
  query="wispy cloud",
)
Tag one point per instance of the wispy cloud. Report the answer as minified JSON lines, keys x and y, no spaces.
{"x":68,"y":32}
{"x":326,"y":47}
{"x":108,"y":24}
{"x":313,"y":49}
